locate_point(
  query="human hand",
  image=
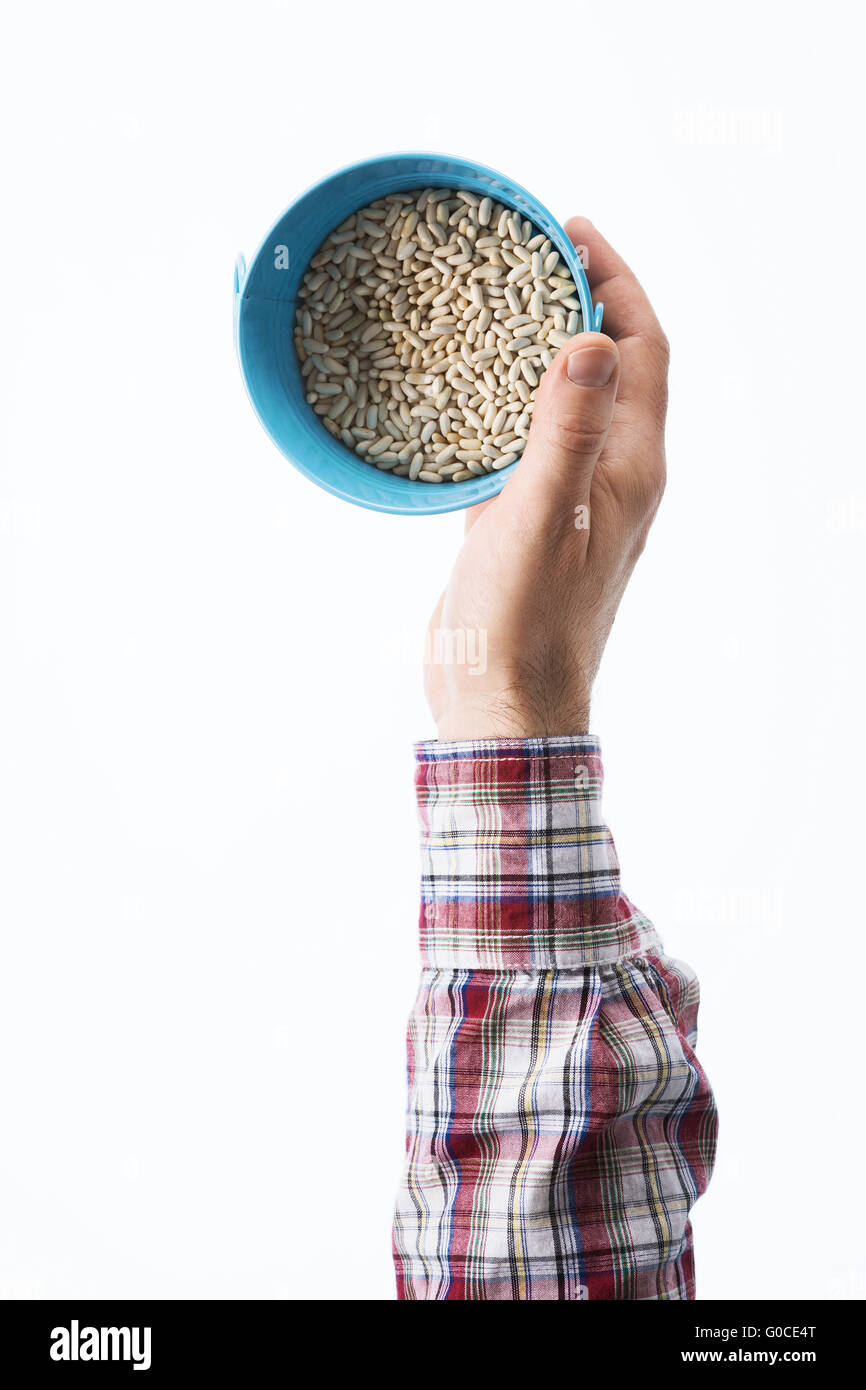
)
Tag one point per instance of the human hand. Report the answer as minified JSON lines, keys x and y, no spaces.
{"x":544,"y":565}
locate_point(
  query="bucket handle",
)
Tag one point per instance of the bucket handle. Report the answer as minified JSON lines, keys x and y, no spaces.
{"x":239,"y":278}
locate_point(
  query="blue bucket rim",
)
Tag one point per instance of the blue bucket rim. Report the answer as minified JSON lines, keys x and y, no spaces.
{"x":436,"y":503}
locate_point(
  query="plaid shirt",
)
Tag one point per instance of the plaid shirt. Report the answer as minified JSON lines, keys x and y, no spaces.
{"x":559,"y":1124}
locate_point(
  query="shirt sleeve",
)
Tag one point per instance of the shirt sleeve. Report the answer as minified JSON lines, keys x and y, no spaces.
{"x":559,"y":1125}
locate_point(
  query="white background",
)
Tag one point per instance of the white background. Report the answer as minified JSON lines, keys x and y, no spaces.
{"x":208,"y":858}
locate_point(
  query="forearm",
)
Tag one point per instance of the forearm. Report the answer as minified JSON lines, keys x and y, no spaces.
{"x":559,"y":1126}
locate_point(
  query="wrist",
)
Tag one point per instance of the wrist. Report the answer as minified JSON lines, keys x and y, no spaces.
{"x":506,"y":717}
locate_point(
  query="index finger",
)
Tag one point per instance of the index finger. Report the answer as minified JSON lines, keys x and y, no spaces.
{"x":627,"y":311}
{"x":629,"y":318}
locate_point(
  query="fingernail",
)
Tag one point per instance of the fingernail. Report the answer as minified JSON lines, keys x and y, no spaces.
{"x":590,"y":366}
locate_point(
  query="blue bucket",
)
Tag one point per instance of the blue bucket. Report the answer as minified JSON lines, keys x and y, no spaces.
{"x":264,"y":315}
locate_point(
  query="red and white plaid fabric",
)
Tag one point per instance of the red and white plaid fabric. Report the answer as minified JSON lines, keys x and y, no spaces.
{"x":559,"y":1124}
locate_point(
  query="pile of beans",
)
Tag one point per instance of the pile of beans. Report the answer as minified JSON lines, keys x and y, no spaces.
{"x":424,"y":323}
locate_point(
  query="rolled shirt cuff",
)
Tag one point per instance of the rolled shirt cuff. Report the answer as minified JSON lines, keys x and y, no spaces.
{"x":519,"y":870}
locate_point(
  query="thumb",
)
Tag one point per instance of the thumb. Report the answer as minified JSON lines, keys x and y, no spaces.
{"x":572,"y":415}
